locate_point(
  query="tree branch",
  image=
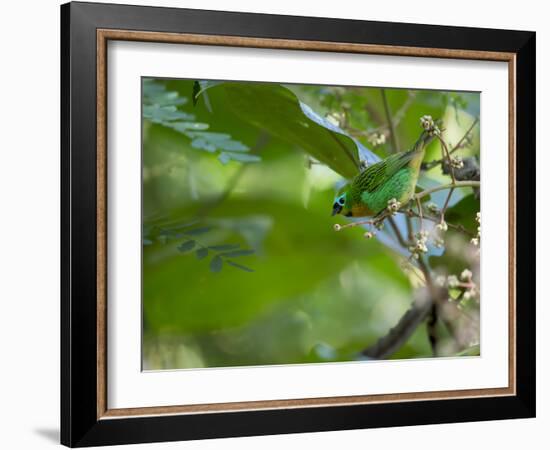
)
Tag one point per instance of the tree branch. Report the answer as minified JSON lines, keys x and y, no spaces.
{"x":411,"y":213}
{"x":459,"y":143}
{"x":433,"y":305}
{"x":429,"y":165}
{"x":391,"y":125}
{"x":447,"y":186}
{"x":398,"y":335}
{"x":208,"y":206}
{"x":397,"y":233}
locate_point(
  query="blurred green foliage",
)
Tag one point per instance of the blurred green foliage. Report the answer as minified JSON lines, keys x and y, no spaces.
{"x":241,"y":265}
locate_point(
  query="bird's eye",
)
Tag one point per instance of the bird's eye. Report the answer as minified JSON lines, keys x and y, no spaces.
{"x":341,"y":200}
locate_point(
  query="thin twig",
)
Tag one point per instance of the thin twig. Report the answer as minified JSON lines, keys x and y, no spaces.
{"x":459,"y":143}
{"x":434,"y":307}
{"x":397,"y":233}
{"x":445,"y":150}
{"x":208,"y":206}
{"x":398,"y":335}
{"x":437,"y":308}
{"x":391,"y":125}
{"x":437,"y":220}
{"x":436,"y":162}
{"x":409,"y":227}
{"x":446,"y":205}
{"x":398,"y":116}
{"x":435,"y":300}
{"x":231,"y":184}
{"x":420,"y":214}
{"x":432,"y":328}
{"x":384,"y":129}
{"x":442,"y":187}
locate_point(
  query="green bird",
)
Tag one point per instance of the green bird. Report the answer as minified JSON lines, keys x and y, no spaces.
{"x":395,"y":177}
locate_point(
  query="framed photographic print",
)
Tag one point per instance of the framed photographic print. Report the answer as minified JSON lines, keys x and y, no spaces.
{"x":276,"y":224}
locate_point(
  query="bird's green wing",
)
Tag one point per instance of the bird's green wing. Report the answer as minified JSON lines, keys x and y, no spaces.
{"x":375,"y":176}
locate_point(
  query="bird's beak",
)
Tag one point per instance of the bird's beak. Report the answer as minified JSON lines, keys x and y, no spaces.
{"x":336,"y":209}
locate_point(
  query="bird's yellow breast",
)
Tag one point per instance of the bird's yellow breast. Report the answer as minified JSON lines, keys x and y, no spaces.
{"x":361,"y":210}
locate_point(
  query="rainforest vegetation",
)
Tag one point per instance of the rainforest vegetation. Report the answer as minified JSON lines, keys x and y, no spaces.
{"x":243,"y":263}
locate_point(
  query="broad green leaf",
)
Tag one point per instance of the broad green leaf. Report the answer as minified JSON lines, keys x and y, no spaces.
{"x":302,"y":249}
{"x":290,"y":120}
{"x":464,"y":213}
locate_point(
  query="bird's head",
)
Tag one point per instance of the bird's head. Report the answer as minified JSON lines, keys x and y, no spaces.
{"x":341,"y":204}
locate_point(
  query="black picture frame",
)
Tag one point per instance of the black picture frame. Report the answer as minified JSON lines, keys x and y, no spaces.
{"x":80,"y":425}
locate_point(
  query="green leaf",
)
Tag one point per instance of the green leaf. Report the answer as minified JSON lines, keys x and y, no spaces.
{"x":164,"y":114}
{"x":470,"y":351}
{"x":216,"y":264}
{"x":184,"y":127}
{"x":203,"y":144}
{"x":212,"y":136}
{"x":294,"y":122}
{"x":159,"y":106}
{"x":225,"y":157}
{"x":239,"y":266}
{"x":197,"y":231}
{"x":155,"y":94}
{"x":212,"y":141}
{"x":224,"y":247}
{"x":168,"y":98}
{"x":186,"y":246}
{"x":201,"y":253}
{"x":464,"y":213}
{"x":237,"y":253}
{"x":302,"y":249}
